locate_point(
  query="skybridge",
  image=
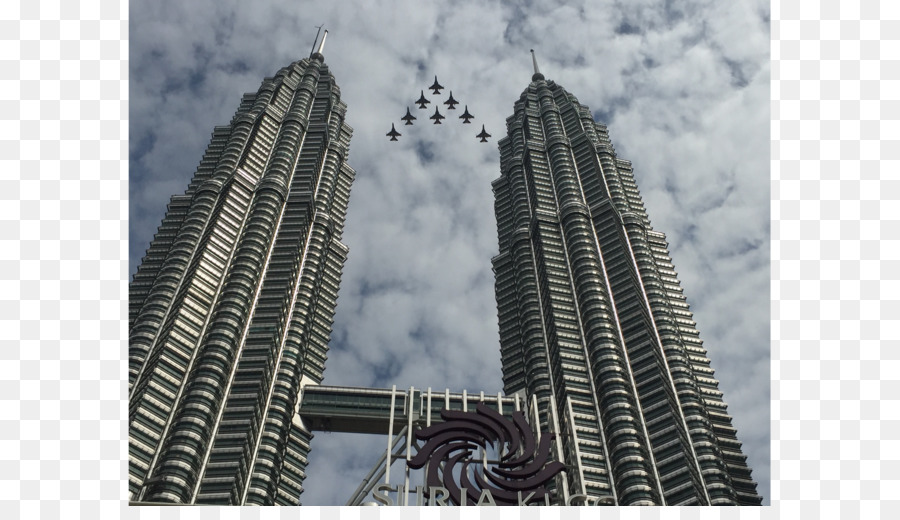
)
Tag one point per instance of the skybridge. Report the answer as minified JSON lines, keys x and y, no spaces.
{"x":384,"y":410}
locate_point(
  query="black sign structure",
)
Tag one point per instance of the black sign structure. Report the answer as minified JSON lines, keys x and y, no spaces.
{"x":522,"y":470}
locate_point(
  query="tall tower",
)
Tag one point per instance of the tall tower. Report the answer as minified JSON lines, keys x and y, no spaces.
{"x":231,"y":309}
{"x":594,"y":328}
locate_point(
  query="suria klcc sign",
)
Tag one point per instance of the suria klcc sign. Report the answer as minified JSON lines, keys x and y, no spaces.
{"x":454,"y":477}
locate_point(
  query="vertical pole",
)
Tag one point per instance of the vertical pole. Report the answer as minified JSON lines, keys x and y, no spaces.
{"x":387,"y":463}
{"x":428,"y":417}
{"x":409,"y":419}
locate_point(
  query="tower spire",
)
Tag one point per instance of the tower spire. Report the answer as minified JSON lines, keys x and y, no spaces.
{"x":537,"y":73}
{"x":318,"y":54}
{"x":322,"y":43}
{"x":313,"y":49}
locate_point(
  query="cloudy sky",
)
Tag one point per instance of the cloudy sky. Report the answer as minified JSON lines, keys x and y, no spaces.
{"x":683,"y":87}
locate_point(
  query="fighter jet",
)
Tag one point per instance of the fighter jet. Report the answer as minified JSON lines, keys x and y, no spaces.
{"x":422,"y":101}
{"x":393,"y":134}
{"x":466,"y":116}
{"x":483,"y":135}
{"x":436,"y":87}
{"x":408,"y":117}
{"x":437,"y":116}
{"x":452,"y":102}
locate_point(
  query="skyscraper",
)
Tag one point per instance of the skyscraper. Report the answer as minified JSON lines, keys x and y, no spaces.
{"x":231,"y":308}
{"x":593,"y":323}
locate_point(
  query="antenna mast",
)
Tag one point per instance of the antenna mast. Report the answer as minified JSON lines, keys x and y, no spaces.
{"x":311,"y":51}
{"x":322,"y":44}
{"x":537,"y":73}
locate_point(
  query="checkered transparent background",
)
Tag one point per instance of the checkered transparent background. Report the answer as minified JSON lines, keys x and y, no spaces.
{"x":63,"y":269}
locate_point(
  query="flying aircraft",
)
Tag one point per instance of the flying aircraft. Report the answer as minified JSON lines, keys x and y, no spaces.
{"x":393,"y":134}
{"x":436,"y":87}
{"x":466,"y":116}
{"x":437,"y":116}
{"x":408,"y":117}
{"x":452,"y":102}
{"x":422,"y":101}
{"x":483,"y":135}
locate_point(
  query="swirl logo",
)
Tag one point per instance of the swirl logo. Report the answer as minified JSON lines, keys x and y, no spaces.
{"x":522,"y":468}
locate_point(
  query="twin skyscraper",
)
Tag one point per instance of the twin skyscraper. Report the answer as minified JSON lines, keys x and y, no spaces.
{"x":230,"y":311}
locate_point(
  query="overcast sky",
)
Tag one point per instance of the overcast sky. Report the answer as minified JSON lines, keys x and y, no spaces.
{"x":683,"y":87}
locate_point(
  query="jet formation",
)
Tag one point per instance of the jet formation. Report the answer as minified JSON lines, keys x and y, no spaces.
{"x":423,"y":103}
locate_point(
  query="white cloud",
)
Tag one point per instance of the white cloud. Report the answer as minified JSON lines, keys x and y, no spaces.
{"x":416,"y":305}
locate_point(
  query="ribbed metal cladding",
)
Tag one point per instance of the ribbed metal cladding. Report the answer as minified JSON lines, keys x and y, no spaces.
{"x":232,"y":306}
{"x":591,"y":313}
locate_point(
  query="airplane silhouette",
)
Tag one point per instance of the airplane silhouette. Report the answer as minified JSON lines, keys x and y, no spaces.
{"x":393,"y":134}
{"x":422,"y":101}
{"x":436,"y":87}
{"x":483,"y":135}
{"x":437,"y":116}
{"x":452,"y":102}
{"x":466,"y":116}
{"x":408,"y":117}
